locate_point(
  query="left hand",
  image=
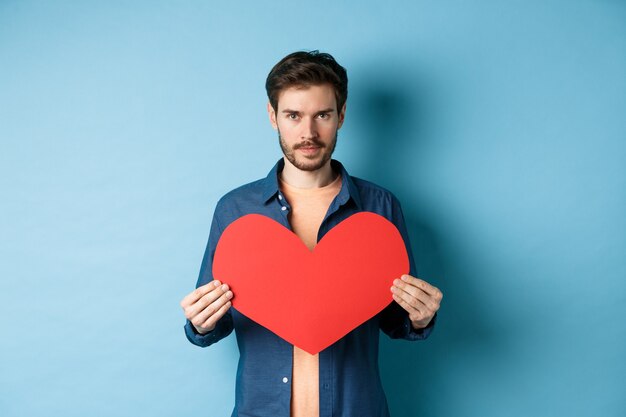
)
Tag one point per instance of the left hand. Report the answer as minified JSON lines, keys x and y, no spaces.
{"x":420,"y":299}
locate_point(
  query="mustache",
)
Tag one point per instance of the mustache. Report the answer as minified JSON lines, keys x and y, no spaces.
{"x":309,"y":143}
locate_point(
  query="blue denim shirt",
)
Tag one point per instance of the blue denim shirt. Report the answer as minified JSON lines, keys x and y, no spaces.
{"x":349,"y":380}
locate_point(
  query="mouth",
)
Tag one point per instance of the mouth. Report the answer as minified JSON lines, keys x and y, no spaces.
{"x":309,"y":149}
{"x":308,"y":146}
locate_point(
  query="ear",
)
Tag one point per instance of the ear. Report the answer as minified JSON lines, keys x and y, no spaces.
{"x":272,"y":114}
{"x":342,"y":115}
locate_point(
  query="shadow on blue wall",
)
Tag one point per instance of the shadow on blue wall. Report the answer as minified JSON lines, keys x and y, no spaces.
{"x":398,"y":118}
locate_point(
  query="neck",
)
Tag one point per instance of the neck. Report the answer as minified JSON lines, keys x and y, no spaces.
{"x":307,"y":179}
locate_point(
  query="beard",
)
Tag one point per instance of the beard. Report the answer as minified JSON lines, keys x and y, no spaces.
{"x":308,"y":163}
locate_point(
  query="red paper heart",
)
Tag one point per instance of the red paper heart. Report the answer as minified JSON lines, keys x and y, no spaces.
{"x":310,"y":298}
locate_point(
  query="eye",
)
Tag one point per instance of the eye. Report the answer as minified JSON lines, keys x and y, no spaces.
{"x":323,"y":116}
{"x":292,"y":116}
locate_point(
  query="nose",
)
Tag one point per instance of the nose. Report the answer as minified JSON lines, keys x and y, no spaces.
{"x":309,"y":129}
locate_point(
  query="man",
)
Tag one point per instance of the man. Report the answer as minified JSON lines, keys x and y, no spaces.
{"x":309,"y":193}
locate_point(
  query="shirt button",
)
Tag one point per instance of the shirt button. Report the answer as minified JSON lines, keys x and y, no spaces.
{"x":280,"y":197}
{"x":283,"y":208}
{"x":285,"y":380}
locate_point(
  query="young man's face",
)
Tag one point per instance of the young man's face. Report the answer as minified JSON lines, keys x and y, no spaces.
{"x":307,"y":120}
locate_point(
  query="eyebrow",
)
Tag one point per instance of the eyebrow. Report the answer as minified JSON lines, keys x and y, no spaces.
{"x":328,"y":110}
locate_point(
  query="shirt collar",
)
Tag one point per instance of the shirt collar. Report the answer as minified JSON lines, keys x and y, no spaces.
{"x":348,"y":188}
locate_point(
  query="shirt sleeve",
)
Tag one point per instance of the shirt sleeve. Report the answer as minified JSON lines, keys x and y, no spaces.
{"x":394,"y":320}
{"x":224,"y":326}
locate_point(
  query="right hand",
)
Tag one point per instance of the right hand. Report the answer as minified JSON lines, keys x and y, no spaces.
{"x":205,"y":305}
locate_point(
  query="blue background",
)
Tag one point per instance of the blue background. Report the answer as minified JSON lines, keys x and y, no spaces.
{"x":500,"y":126}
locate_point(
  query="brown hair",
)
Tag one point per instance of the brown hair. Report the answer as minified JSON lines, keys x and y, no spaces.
{"x":304,"y":69}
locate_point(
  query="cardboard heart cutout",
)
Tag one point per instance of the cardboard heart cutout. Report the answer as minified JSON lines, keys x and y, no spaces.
{"x":310,"y":298}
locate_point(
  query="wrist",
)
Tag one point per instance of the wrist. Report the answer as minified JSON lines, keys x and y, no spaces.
{"x":423,"y":324}
{"x":202,"y":330}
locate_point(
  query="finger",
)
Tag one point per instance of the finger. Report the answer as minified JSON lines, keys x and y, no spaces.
{"x":428,"y":302}
{"x":405,"y":304}
{"x":423,"y":285}
{"x":194,"y":309}
{"x":198,"y":293}
{"x":211,"y":309}
{"x":212,"y":321}
{"x":413,"y":291}
{"x":409,"y":299}
{"x":419,"y":317}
